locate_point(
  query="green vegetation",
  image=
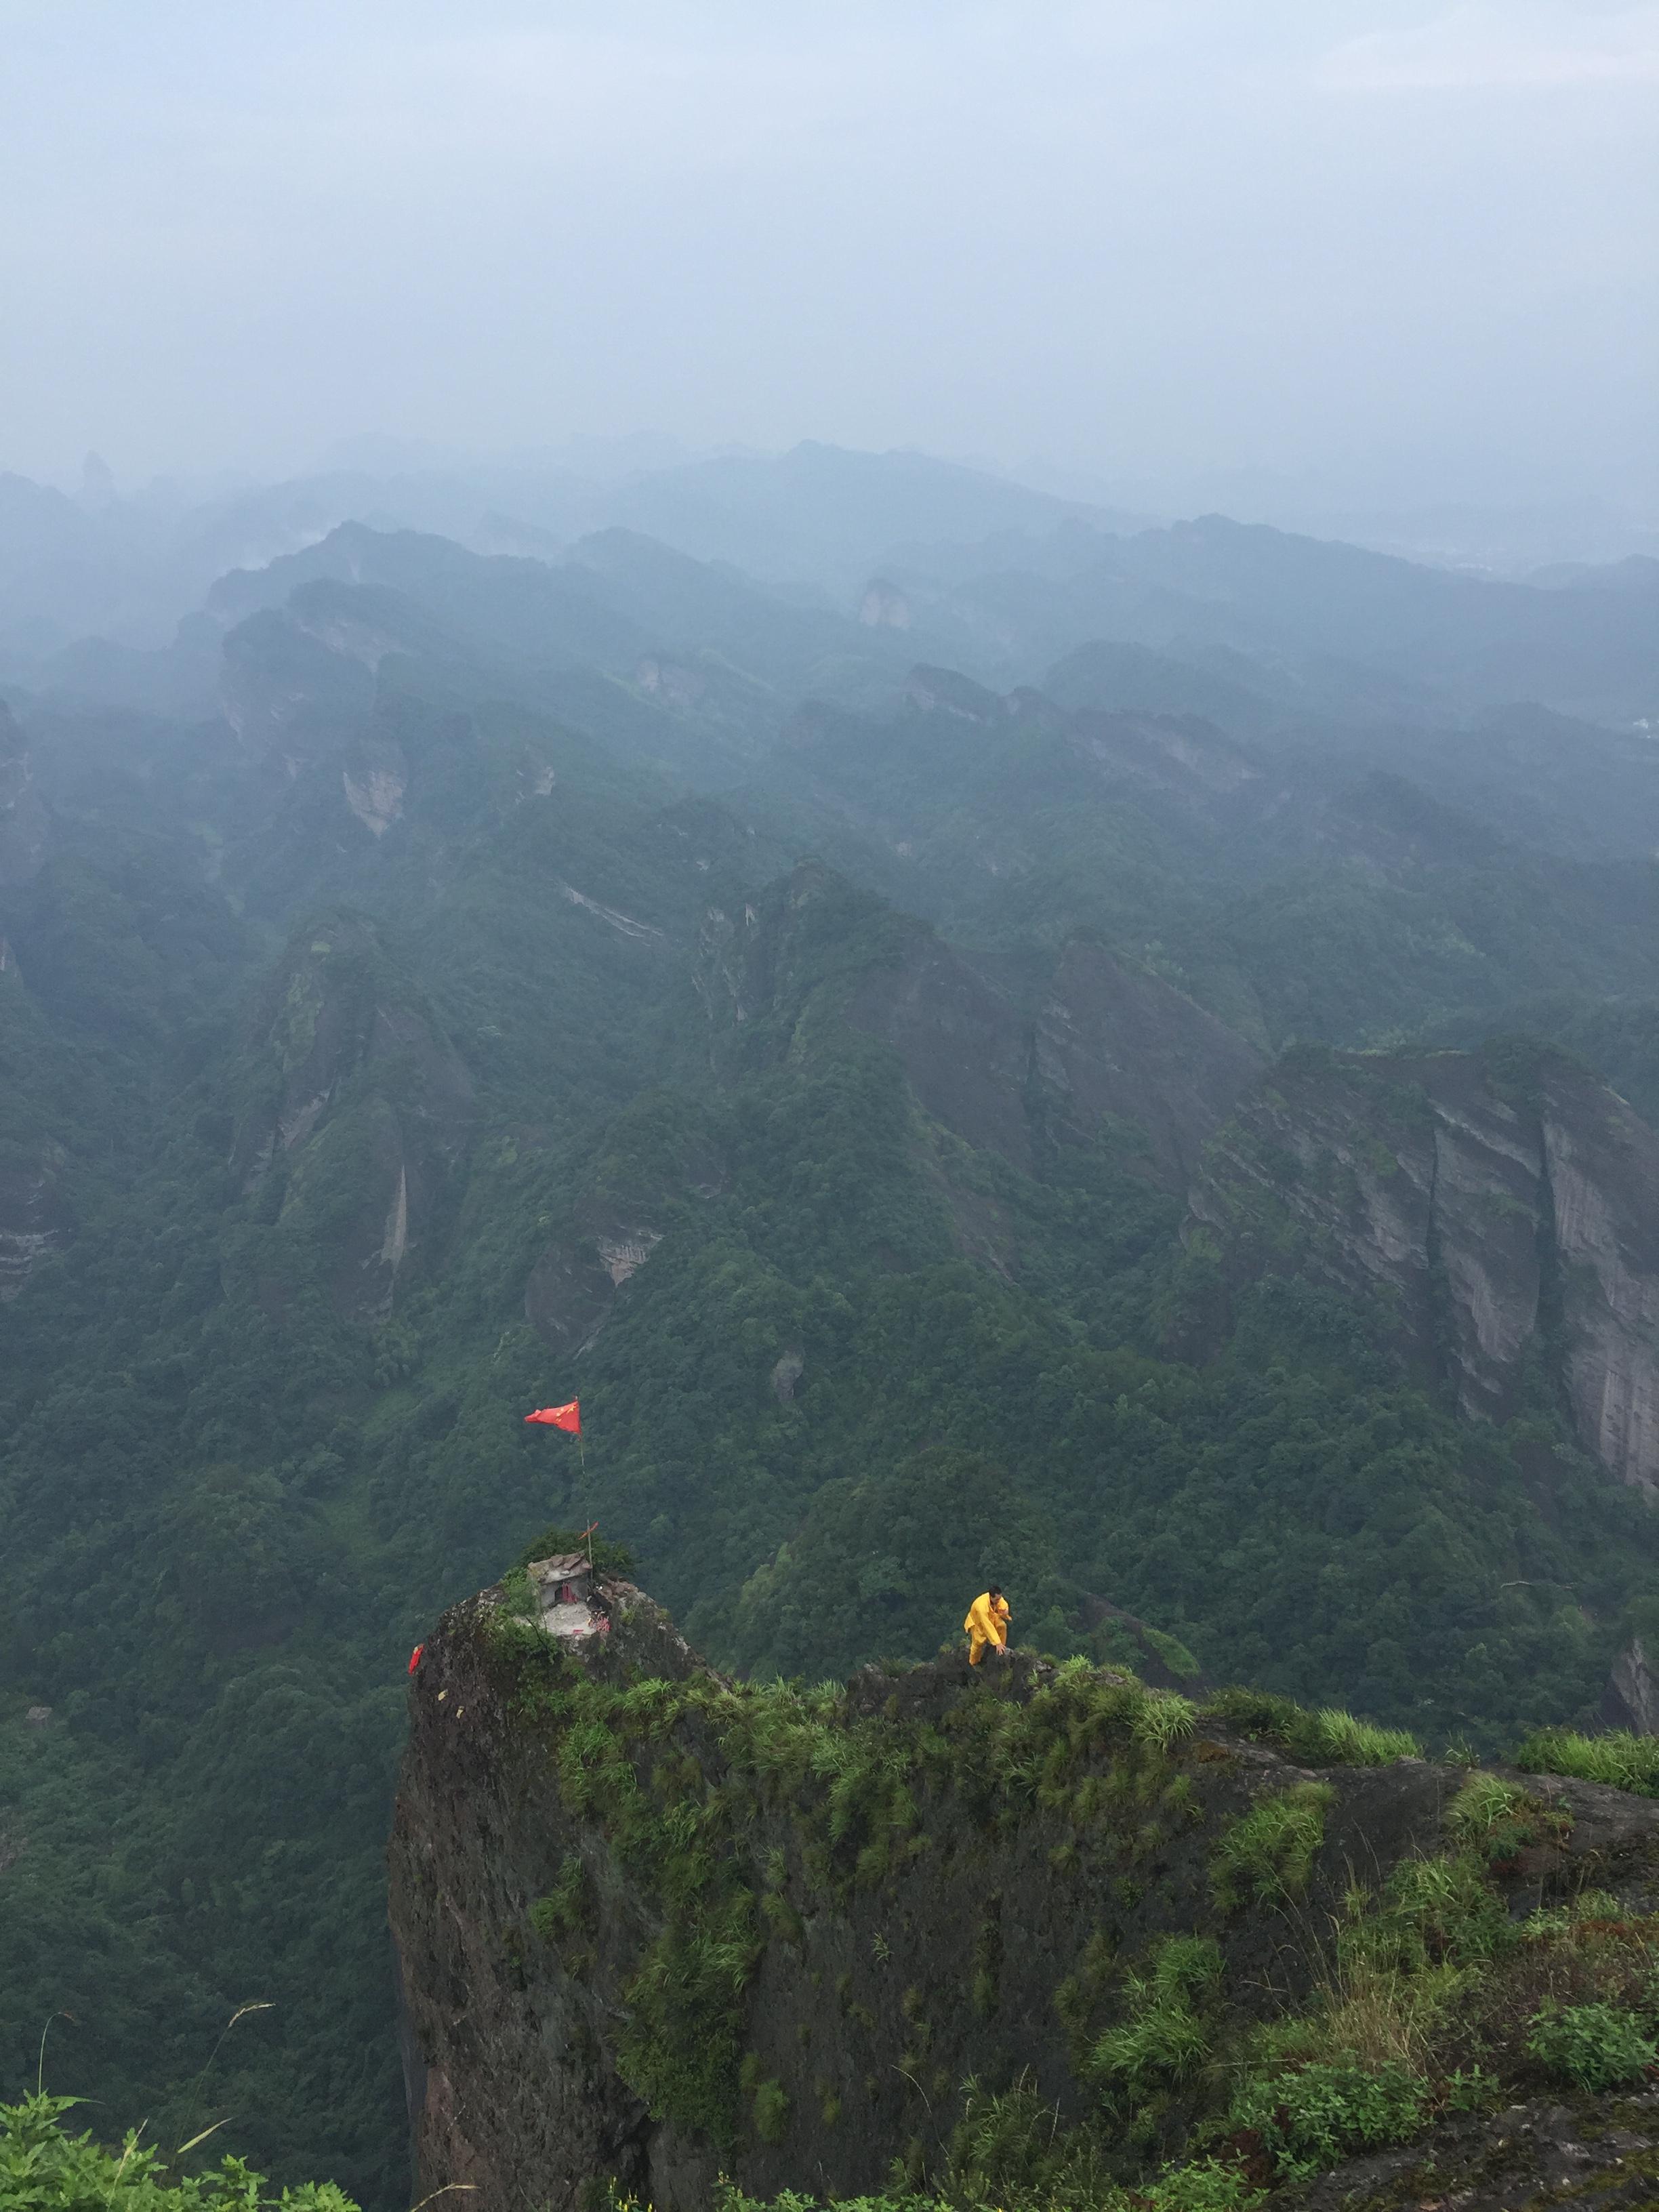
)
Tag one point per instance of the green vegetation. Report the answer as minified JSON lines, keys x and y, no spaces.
{"x":1327,"y":1738}
{"x":344,"y":1139}
{"x":559,"y":1913}
{"x":45,"y":2168}
{"x":1593,"y":2046}
{"x":771,"y":2111}
{"x":1427,"y":1995}
{"x":1269,"y":1852}
{"x":1628,"y":1762}
{"x":675,"y":1816}
{"x":1499,"y":1819}
{"x":1164,"y":1718}
{"x":1166,"y":2037}
{"x":1320,"y":2113}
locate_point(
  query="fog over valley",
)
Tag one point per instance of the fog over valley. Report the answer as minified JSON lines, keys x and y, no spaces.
{"x":829,"y":1107}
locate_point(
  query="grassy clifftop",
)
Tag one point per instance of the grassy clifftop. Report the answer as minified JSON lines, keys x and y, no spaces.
{"x":1040,"y":1935}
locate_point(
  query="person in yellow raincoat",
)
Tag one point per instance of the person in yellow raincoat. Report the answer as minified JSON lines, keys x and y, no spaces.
{"x":986,"y":1623}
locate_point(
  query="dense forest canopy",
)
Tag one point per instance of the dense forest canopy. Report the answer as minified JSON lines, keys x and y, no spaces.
{"x":437,"y":985}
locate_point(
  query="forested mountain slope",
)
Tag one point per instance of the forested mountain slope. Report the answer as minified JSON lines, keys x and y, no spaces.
{"x":503,"y":980}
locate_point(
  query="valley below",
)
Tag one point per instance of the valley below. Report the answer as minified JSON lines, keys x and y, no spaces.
{"x":982,"y":1041}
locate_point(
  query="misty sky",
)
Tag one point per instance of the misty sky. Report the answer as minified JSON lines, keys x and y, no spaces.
{"x":1412,"y":248}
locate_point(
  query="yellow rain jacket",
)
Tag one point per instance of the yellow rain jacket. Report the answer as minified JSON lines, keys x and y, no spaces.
{"x":986,"y":1623}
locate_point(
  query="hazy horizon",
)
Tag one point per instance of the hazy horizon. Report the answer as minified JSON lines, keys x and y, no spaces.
{"x":1393,"y":254}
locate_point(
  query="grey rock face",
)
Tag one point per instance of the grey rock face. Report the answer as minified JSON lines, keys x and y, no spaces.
{"x":34,"y":1223}
{"x":22,"y":811}
{"x":1603,"y":1162}
{"x":965,"y":1048}
{"x":1630,"y":1699}
{"x":1497,"y":1220}
{"x":1112,"y":1043}
{"x":1594,"y":2156}
{"x":1116,"y":1042}
{"x":349,"y":1078}
{"x":523,"y":2076}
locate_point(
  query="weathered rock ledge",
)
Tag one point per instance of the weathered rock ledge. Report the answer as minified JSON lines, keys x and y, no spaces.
{"x":567,"y":1890}
{"x":1597,"y":2154}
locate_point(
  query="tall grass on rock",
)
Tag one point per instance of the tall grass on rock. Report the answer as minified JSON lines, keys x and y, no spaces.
{"x":1269,"y":1852}
{"x":1626,"y":1762}
{"x":1330,"y":1737}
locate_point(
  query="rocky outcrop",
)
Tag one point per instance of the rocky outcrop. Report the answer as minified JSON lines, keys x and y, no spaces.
{"x":1501,"y":1211}
{"x":574,"y":1283}
{"x":653,"y":1163}
{"x":1159,"y":1660}
{"x":1630,"y":1699}
{"x":1115,"y":1043}
{"x":34,"y":1221}
{"x":944,"y":691}
{"x":288,"y":695}
{"x":965,"y":1050}
{"x":811,"y":946}
{"x":23,"y":810}
{"x":884,"y":606}
{"x":677,"y":682}
{"x":1155,"y":759}
{"x":1174,"y":754}
{"x":1589,"y":2154}
{"x":654,"y":1926}
{"x":1111,"y":1043}
{"x":299,"y":688}
{"x":1602,"y":1162}
{"x":352,"y":1092}
{"x":374,"y":786}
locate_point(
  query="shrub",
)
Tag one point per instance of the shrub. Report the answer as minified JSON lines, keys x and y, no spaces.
{"x":771,"y":2111}
{"x":517,"y":1596}
{"x":43,"y":2167}
{"x":1174,"y":1653}
{"x":1628,"y":1762}
{"x":1161,"y":1718}
{"x":1319,"y":2114}
{"x":611,"y":1559}
{"x":1207,"y":2185}
{"x":681,"y":2047}
{"x":1498,"y":1818}
{"x":1477,"y":2091}
{"x":1594,"y":2046}
{"x":1164,"y":2039}
{"x":561,"y":1910}
{"x":1444,"y":1909}
{"x":1271,"y":1848}
{"x":1008,"y":2149}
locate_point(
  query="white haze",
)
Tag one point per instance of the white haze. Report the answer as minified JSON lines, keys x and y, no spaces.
{"x":1382,"y":253}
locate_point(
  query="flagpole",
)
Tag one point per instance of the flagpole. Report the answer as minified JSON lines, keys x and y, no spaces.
{"x":581,"y":1455}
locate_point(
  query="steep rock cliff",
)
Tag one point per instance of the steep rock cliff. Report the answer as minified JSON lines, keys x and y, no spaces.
{"x":23,"y":820}
{"x":351,"y":1095}
{"x":1630,"y":1699}
{"x":653,"y":1925}
{"x":34,"y":1221}
{"x":1116,"y":1042}
{"x":1500,"y":1210}
{"x":1109,"y":1042}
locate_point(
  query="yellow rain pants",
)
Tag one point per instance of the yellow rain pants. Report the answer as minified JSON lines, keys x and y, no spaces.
{"x":986,"y":1623}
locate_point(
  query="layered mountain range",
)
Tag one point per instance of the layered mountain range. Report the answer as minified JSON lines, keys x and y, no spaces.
{"x":1120,"y":1059}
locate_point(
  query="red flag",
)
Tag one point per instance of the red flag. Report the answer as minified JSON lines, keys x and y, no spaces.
{"x":415,"y":1657}
{"x":568,"y":1416}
